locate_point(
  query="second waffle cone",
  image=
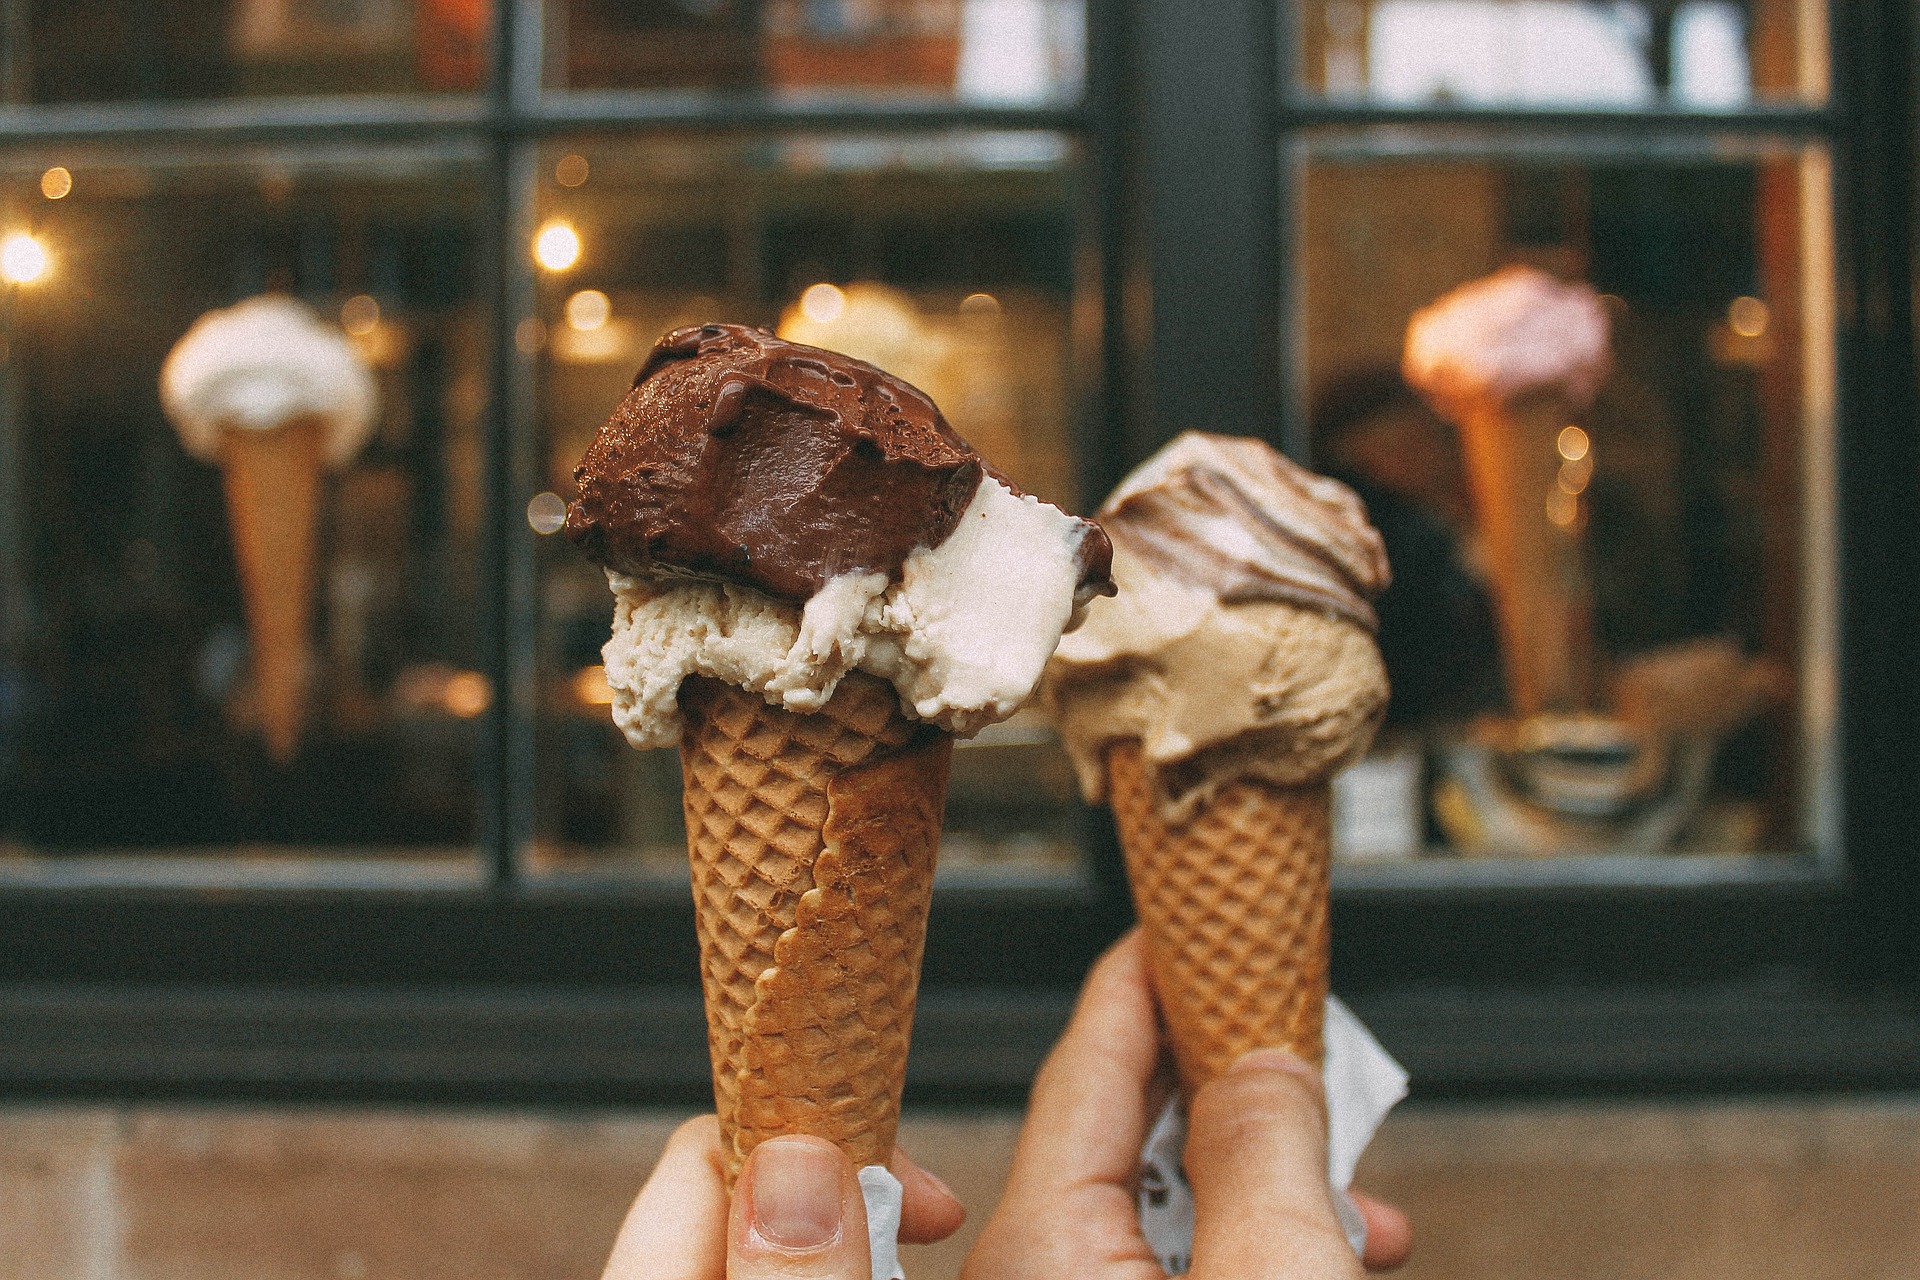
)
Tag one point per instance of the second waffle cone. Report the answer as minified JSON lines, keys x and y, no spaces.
{"x":812,"y":841}
{"x":1233,"y":903}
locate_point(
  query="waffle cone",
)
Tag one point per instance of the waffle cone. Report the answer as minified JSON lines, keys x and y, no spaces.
{"x":1233,"y":903}
{"x":1513,"y":464}
{"x":812,"y":841}
{"x":273,"y":482}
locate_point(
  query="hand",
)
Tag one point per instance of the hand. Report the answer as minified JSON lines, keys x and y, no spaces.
{"x":796,"y":1212}
{"x":1256,"y":1156}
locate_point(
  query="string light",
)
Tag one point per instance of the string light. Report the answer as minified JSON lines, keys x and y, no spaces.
{"x":23,"y":259}
{"x":556,"y":246}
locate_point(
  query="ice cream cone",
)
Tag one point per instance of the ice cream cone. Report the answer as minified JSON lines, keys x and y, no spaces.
{"x":1514,"y":465}
{"x":812,"y":839}
{"x":274,"y":482}
{"x":1233,"y":902}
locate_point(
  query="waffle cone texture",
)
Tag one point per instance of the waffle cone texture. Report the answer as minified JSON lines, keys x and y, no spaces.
{"x":1233,"y":904}
{"x":812,"y":841}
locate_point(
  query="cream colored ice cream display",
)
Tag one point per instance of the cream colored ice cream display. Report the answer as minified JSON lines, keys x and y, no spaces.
{"x":274,"y":396}
{"x":1511,"y":359}
{"x":1210,"y":702}
{"x":817,"y":586}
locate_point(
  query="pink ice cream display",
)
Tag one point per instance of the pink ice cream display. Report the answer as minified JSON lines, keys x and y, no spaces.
{"x":1510,"y":359}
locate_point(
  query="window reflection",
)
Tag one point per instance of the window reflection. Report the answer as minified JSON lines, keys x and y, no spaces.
{"x":1004,"y":52}
{"x":1597,"y":634}
{"x":110,"y":50}
{"x":1700,"y":54}
{"x":950,"y":260}
{"x":136,"y":706}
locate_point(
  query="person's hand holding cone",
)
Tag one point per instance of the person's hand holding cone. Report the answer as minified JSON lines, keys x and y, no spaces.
{"x":1210,"y":702}
{"x":275,"y":397}
{"x":812,"y":579}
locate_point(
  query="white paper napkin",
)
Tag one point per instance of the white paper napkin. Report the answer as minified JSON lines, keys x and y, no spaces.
{"x":1363,"y":1082}
{"x":882,"y":1192}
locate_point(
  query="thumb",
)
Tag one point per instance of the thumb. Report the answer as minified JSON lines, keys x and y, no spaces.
{"x":798,"y":1215}
{"x":1257,"y":1159}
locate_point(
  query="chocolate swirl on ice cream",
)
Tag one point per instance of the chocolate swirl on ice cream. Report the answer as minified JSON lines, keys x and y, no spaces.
{"x":1237,"y":519}
{"x":773,"y":515}
{"x":1241,"y":641}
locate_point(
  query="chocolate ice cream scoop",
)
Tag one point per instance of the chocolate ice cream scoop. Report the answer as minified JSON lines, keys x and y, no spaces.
{"x":741,"y":457}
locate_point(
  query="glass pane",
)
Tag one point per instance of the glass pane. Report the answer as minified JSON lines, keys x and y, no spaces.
{"x":257,"y":632}
{"x":1704,"y":54}
{"x":113,"y":50}
{"x":956,"y":261}
{"x":991,"y":52}
{"x":1610,"y":627}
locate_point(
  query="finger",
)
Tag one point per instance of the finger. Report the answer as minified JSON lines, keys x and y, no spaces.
{"x":798,"y":1215}
{"x":677,"y":1228}
{"x":1087,"y":1117}
{"x":1257,"y":1159}
{"x":929,"y":1211}
{"x":1389,"y":1233}
{"x":1069,"y":1206}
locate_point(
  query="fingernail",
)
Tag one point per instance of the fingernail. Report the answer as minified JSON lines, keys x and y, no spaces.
{"x":938,"y":1185}
{"x":1273,"y":1060}
{"x":795,"y":1193}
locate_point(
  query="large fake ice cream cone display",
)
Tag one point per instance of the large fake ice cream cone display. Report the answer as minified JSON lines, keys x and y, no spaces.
{"x":1210,"y":702}
{"x":1511,"y":359}
{"x":817,"y":587}
{"x":274,"y":397}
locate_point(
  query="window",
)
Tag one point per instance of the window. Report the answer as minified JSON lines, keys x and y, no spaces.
{"x":447,"y":876}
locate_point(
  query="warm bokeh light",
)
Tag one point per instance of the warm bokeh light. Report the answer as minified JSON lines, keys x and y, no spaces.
{"x":556,"y":246}
{"x":23,"y":259}
{"x":571,"y":171}
{"x":1748,"y":317}
{"x":823,"y":303}
{"x":547,"y":513}
{"x":1575,"y":473}
{"x":530,"y":335}
{"x":979,"y":304}
{"x":1562,"y":508}
{"x":590,"y":686}
{"x":588,"y":309}
{"x":360,"y":314}
{"x":55,"y":183}
{"x":1573,"y":444}
{"x":467,"y":694}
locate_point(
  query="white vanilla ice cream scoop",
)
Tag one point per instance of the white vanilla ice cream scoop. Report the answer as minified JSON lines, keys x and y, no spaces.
{"x":259,"y":365}
{"x":774,"y":516}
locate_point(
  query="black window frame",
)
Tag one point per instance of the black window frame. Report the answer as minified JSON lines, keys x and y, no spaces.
{"x":1501,"y":984}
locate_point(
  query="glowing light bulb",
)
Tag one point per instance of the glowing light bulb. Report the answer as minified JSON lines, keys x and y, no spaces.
{"x":23,"y":259}
{"x":468,"y":694}
{"x":1573,"y":444}
{"x":823,"y":304}
{"x":1748,"y":317}
{"x":588,"y":309}
{"x":556,"y":246}
{"x":360,"y":315}
{"x":56,"y":183}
